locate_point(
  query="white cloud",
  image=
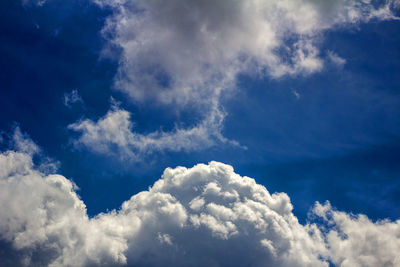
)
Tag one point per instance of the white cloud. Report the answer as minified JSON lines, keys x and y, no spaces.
{"x":43,"y":218}
{"x":21,"y":142}
{"x":354,"y":240}
{"x":184,"y":52}
{"x":114,"y":134}
{"x":203,"y":216}
{"x":72,"y":98}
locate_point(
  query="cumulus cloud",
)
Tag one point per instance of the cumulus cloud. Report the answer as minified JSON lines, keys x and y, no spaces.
{"x":44,"y":220}
{"x":177,"y":52}
{"x":202,"y":216}
{"x":185,"y":54}
{"x":114,"y":134}
{"x":354,"y":240}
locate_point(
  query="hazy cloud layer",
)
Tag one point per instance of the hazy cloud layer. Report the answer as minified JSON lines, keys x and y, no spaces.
{"x":203,"y":216}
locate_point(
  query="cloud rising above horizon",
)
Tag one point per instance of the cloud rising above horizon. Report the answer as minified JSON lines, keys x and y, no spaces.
{"x":204,"y":215}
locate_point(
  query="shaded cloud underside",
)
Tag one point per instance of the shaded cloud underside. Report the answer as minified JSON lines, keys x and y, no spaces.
{"x":202,"y":216}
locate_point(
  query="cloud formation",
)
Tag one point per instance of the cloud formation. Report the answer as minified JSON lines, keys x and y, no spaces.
{"x":184,"y":52}
{"x":202,"y":216}
{"x":354,"y":240}
{"x":114,"y":134}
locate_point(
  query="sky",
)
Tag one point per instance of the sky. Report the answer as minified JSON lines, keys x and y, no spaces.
{"x":193,"y":133}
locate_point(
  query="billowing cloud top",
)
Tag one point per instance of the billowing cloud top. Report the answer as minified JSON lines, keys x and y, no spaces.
{"x":203,"y":216}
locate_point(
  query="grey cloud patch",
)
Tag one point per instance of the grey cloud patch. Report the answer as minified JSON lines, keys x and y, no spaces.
{"x":200,"y":216}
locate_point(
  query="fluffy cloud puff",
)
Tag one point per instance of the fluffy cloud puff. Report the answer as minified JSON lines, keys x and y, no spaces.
{"x":354,"y":240}
{"x":187,"y":51}
{"x":203,"y":216}
{"x":44,"y":222}
{"x":113,"y":134}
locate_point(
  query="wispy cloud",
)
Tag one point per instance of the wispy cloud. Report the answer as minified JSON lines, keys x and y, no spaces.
{"x":114,"y":134}
{"x":187,"y":54}
{"x":335,"y":59}
{"x":72,"y":98}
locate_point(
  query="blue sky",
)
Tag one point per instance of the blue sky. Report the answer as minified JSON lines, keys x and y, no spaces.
{"x":304,"y":102}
